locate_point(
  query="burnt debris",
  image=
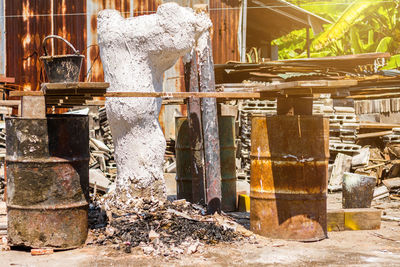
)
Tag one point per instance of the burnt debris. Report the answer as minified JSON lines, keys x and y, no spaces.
{"x":160,"y":228}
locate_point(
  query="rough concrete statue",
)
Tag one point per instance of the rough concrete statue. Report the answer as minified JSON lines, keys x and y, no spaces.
{"x":135,"y":52}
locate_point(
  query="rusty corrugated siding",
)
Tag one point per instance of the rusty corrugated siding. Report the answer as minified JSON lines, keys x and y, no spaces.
{"x":26,"y":31}
{"x":70,"y":27}
{"x":93,"y":8}
{"x":23,"y":40}
{"x":225,"y":19}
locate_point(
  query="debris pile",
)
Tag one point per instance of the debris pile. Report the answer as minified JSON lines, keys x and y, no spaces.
{"x":101,"y":146}
{"x":161,"y":228}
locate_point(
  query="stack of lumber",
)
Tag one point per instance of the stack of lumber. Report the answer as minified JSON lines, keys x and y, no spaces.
{"x":325,"y":68}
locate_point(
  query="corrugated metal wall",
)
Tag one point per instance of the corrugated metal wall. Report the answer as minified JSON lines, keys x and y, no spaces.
{"x":76,"y":21}
{"x":225,"y":17}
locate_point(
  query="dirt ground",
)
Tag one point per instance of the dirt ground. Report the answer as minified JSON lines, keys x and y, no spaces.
{"x":349,"y":248}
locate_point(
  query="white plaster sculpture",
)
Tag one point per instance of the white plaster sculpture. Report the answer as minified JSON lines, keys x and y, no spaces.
{"x":135,"y":52}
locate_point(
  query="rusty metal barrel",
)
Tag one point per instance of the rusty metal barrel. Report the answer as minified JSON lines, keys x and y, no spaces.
{"x":226,"y":128}
{"x":183,"y":158}
{"x":289,"y":166}
{"x":48,"y":181}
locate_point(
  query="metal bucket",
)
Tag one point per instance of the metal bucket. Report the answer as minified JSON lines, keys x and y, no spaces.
{"x":48,"y":181}
{"x":289,"y":167}
{"x":358,"y":190}
{"x":226,"y":125}
{"x":62,"y":68}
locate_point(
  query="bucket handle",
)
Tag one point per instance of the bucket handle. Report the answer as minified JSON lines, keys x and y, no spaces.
{"x":57,"y":37}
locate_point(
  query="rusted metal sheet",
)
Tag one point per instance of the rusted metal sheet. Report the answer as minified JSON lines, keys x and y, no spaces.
{"x":48,"y":181}
{"x":289,"y":166}
{"x":2,"y":39}
{"x":25,"y":31}
{"x":93,"y":7}
{"x":225,"y":18}
{"x":195,"y":132}
{"x":210,"y":130}
{"x":69,"y":22}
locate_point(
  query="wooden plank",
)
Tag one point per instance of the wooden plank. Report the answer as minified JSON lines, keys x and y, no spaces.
{"x":77,"y":85}
{"x":376,"y":134}
{"x":185,"y":94}
{"x":377,"y":125}
{"x":168,"y":95}
{"x":26,"y":93}
{"x":371,"y":96}
{"x":303,"y":84}
{"x":9,"y":103}
{"x":4,"y":79}
{"x":362,"y":219}
{"x":353,"y":219}
{"x":335,"y":220}
{"x":392,"y":183}
{"x":33,"y":107}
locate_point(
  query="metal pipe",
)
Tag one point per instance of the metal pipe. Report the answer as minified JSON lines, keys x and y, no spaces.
{"x":244,"y":32}
{"x":210,"y":129}
{"x":195,"y":132}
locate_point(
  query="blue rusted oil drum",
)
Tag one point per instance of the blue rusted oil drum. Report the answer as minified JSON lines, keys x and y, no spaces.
{"x":47,"y":181}
{"x":226,"y":128}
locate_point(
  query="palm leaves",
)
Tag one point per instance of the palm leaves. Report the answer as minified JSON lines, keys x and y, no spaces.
{"x":356,"y":12}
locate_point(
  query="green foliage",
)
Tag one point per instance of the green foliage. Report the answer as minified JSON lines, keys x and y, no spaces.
{"x":361,"y":26}
{"x":393,"y":63}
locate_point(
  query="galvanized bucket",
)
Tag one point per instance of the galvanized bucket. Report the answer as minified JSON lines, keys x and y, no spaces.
{"x":358,"y":190}
{"x":62,"y":68}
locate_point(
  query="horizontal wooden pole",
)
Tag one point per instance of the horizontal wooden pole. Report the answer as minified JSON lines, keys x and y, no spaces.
{"x":377,"y":125}
{"x":237,"y":95}
{"x":11,"y":103}
{"x":376,"y":134}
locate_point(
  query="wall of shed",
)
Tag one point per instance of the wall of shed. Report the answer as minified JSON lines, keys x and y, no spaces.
{"x":76,"y":21}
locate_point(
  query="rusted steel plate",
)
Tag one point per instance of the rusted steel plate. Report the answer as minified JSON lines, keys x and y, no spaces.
{"x":25,"y":31}
{"x":48,"y":178}
{"x":225,"y":18}
{"x":69,"y":22}
{"x":289,"y":165}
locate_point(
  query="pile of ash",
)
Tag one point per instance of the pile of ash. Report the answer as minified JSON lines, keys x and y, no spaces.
{"x":161,"y":228}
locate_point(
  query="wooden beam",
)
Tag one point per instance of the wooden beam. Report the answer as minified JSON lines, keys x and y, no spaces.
{"x":11,"y":103}
{"x":4,"y":79}
{"x":167,"y":95}
{"x":376,"y":134}
{"x":377,"y":125}
{"x":353,"y":219}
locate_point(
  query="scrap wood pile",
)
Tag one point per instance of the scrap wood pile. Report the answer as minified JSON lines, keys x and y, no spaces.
{"x":325,"y":68}
{"x":102,"y":146}
{"x":160,"y":228}
{"x":382,"y":164}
